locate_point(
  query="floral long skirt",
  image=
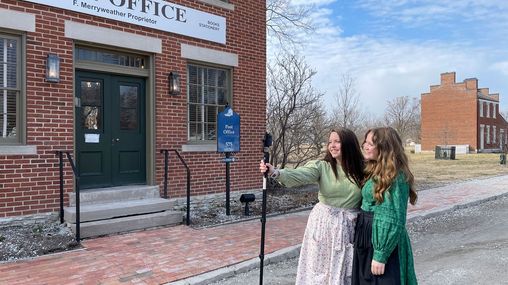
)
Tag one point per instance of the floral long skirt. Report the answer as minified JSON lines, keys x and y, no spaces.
{"x":326,"y":255}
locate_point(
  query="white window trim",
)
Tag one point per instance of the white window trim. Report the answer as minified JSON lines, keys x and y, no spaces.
{"x":209,"y":55}
{"x":15,"y":20}
{"x":199,"y":147}
{"x":219,"y":3}
{"x":481,"y":109}
{"x":18,"y":150}
{"x":488,"y":134}
{"x":100,"y":35}
{"x":488,"y":111}
{"x":493,"y":134}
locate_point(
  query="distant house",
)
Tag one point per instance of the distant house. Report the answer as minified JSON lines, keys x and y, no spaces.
{"x":462,"y":114}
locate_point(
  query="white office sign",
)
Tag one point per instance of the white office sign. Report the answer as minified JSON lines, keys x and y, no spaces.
{"x":156,"y":14}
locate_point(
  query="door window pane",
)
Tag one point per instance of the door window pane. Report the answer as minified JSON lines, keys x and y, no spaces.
{"x":128,"y":107}
{"x":91,"y":105}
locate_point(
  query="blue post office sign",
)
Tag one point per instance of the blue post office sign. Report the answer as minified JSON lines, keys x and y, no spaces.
{"x":228,"y":131}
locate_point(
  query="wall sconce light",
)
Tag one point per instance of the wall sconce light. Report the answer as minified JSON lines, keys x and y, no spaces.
{"x":53,"y":68}
{"x":174,"y":83}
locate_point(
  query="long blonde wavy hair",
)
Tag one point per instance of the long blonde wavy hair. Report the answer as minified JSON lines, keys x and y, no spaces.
{"x":390,"y":160}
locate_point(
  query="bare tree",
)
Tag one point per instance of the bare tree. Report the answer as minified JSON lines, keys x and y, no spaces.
{"x":295,"y":111}
{"x":347,"y":113}
{"x":283,"y":20}
{"x":403,"y":114}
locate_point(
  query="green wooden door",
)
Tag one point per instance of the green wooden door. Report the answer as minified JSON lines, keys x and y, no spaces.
{"x":110,"y":130}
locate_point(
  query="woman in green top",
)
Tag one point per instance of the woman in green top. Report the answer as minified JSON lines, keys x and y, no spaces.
{"x":326,"y":254}
{"x":383,"y":254}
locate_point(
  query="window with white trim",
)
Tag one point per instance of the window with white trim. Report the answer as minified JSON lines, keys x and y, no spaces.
{"x":10,"y":88}
{"x":496,"y":107}
{"x":488,"y":134}
{"x":208,"y":91}
{"x":493,"y":134}
{"x":488,"y":110}
{"x":481,"y":109}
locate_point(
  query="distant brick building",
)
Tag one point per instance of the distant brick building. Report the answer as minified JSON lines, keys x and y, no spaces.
{"x":462,"y":114}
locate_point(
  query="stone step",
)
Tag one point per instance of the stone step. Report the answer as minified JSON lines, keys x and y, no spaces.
{"x":114,"y":194}
{"x":95,"y":212}
{"x":125,"y":224}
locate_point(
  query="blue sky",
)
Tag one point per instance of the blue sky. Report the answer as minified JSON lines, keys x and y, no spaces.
{"x":399,"y":48}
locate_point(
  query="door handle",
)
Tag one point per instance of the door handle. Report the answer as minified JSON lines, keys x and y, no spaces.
{"x":116,"y":140}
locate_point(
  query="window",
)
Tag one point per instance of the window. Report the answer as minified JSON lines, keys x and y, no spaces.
{"x":208,"y":91}
{"x":488,"y":110}
{"x":111,"y":57}
{"x":488,"y":134}
{"x":481,"y":109}
{"x":10,"y":89}
{"x":493,"y":134}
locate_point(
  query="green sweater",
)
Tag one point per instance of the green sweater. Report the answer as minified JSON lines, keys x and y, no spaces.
{"x":339,"y":193}
{"x":389,"y":225}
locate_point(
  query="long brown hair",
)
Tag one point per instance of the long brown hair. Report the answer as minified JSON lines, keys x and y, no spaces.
{"x":390,"y":160}
{"x":351,"y":157}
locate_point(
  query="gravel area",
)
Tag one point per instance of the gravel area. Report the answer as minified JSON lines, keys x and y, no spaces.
{"x":33,"y":236}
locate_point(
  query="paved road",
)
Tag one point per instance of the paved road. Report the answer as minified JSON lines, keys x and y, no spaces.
{"x":466,"y":246}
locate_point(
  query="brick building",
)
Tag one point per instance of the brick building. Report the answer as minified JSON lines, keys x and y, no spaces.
{"x":110,"y":103}
{"x":461,"y":113}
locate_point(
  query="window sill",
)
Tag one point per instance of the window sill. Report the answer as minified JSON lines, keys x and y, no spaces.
{"x":18,"y":149}
{"x":219,"y":3}
{"x":199,"y":147}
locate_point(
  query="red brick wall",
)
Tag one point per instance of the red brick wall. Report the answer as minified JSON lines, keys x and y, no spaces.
{"x":30,"y":183}
{"x":449,"y":113}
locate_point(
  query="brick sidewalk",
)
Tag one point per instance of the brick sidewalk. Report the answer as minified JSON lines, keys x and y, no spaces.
{"x":169,"y":254}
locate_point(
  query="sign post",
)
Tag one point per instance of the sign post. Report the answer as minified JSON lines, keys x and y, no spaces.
{"x":228,"y":141}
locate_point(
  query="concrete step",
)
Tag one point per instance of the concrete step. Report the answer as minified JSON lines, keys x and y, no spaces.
{"x":95,"y":212}
{"x":125,"y":224}
{"x":114,"y":194}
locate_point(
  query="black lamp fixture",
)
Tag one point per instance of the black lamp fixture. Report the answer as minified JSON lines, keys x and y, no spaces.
{"x":53,"y":68}
{"x":247,"y":198}
{"x":174,"y":83}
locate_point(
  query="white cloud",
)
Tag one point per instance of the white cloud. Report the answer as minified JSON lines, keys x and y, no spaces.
{"x":385,"y":68}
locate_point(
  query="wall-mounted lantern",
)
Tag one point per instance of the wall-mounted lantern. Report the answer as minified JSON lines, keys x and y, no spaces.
{"x":174,"y":83}
{"x":53,"y":68}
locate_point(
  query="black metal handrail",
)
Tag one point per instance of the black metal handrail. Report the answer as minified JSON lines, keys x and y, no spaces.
{"x":166,"y":163}
{"x":76,"y":177}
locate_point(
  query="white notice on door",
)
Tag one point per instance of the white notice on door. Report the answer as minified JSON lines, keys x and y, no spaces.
{"x":92,"y":138}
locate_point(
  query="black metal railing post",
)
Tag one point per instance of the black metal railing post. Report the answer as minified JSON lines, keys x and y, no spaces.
{"x":166,"y":162}
{"x":76,"y":180}
{"x":60,"y":167}
{"x":188,"y":184}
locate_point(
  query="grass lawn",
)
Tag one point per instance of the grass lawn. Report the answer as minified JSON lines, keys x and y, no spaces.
{"x":430,"y":172}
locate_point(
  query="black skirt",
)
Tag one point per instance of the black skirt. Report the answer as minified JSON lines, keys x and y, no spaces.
{"x":362,"y":256}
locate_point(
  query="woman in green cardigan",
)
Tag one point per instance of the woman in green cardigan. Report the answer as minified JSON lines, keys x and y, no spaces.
{"x":326,"y":254}
{"x":382,"y":254}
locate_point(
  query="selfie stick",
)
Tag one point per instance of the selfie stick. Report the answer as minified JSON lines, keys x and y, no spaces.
{"x":267,"y":142}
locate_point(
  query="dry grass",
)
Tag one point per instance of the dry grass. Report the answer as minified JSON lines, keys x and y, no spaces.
{"x":430,"y":172}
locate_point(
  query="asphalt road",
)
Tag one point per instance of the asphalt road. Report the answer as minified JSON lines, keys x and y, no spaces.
{"x":466,"y":246}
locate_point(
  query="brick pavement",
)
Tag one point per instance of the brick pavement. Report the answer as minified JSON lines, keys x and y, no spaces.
{"x":164,"y":255}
